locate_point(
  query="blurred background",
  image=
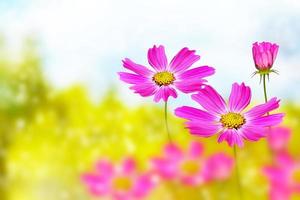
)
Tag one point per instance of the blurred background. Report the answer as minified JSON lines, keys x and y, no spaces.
{"x":63,"y":108}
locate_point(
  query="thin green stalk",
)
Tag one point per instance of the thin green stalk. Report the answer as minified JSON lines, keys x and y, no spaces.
{"x":265,"y":88}
{"x":238,"y":181}
{"x":266,"y":100}
{"x":166,"y":121}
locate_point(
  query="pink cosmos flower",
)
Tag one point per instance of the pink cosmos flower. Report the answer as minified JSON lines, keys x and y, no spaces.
{"x":264,"y":55}
{"x":284,"y":177}
{"x":278,"y":138}
{"x":187,"y":167}
{"x":219,"y":167}
{"x":191,"y":168}
{"x":164,"y":77}
{"x":119,"y":182}
{"x":229,"y":121}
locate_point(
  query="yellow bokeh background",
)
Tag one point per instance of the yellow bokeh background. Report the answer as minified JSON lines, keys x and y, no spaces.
{"x":49,"y":137}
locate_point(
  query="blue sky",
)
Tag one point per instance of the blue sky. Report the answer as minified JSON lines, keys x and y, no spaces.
{"x":84,"y":41}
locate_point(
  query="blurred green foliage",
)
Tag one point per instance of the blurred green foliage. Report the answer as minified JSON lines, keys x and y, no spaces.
{"x":49,"y":137}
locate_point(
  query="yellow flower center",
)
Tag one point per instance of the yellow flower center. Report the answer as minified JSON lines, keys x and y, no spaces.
{"x":122,"y":183}
{"x":190,"y":167}
{"x":296,"y":176}
{"x":232,"y":120}
{"x":163,"y":78}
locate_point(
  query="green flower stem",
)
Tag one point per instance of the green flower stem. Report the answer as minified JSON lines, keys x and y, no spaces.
{"x":266,"y":100}
{"x":166,"y":121}
{"x":265,"y":88}
{"x":237,"y":173}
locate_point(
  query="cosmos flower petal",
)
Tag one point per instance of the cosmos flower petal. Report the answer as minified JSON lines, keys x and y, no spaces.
{"x":197,"y":73}
{"x":271,"y":172}
{"x":157,"y":58}
{"x":166,"y":168}
{"x":191,"y":114}
{"x":274,"y":50}
{"x":209,"y":99}
{"x":223,"y":136}
{"x":296,"y":188}
{"x":278,"y":138}
{"x":253,"y":133}
{"x":280,"y":193}
{"x":120,"y":195}
{"x":285,"y":160}
{"x":136,"y":68}
{"x":195,"y":149}
{"x":96,"y":185}
{"x":240,"y":97}
{"x":132,"y":78}
{"x":104,"y":168}
{"x":238,"y":138}
{"x":194,"y":180}
{"x":218,"y":166}
{"x":278,"y":181}
{"x":202,"y":129}
{"x":145,"y":89}
{"x":143,"y":185}
{"x":128,"y":166}
{"x":262,"y":109}
{"x":164,"y":93}
{"x":265,"y":59}
{"x":159,"y":95}
{"x":270,"y":120}
{"x":189,"y":86}
{"x":232,"y":137}
{"x":173,"y":151}
{"x":183,"y":60}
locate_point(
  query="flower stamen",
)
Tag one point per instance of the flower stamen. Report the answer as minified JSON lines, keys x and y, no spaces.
{"x":232,"y":120}
{"x":122,"y":183}
{"x":164,"y":78}
{"x":190,"y":167}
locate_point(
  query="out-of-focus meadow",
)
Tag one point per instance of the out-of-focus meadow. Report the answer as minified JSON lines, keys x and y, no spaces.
{"x":50,"y":136}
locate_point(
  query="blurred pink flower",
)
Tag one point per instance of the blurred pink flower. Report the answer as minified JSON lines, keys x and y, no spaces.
{"x":229,"y":120}
{"x":219,"y":167}
{"x":278,"y":138}
{"x":284,"y":177}
{"x":119,"y":182}
{"x":162,"y":80}
{"x":187,"y":167}
{"x":264,"y":55}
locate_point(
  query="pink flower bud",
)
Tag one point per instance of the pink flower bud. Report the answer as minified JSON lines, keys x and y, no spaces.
{"x":264,"y":55}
